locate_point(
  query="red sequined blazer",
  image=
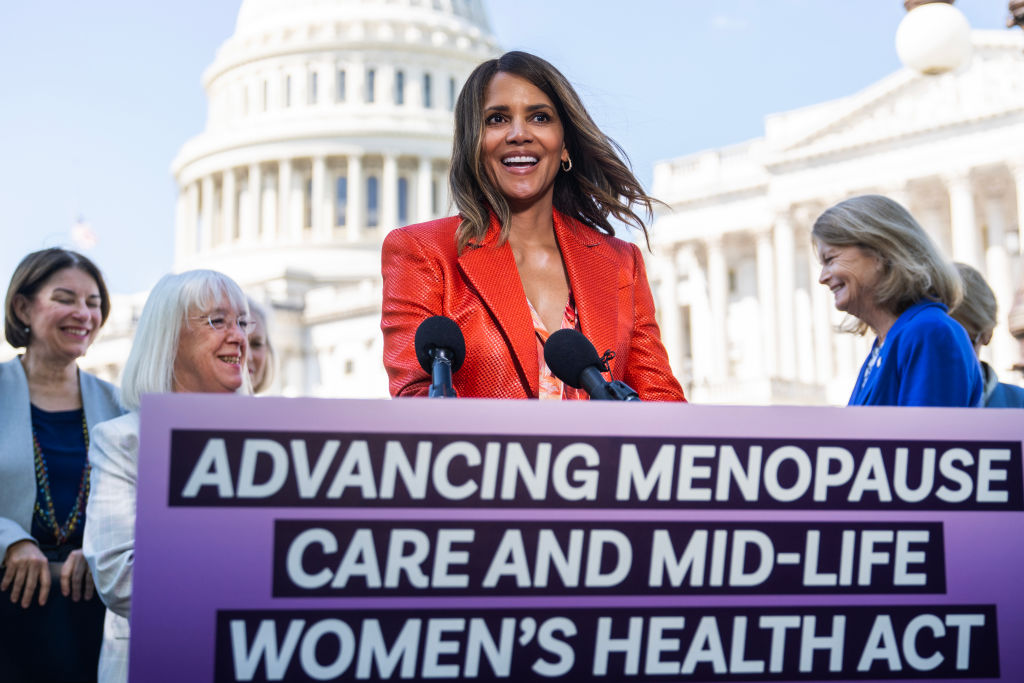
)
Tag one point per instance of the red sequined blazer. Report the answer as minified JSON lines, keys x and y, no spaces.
{"x":481,"y":291}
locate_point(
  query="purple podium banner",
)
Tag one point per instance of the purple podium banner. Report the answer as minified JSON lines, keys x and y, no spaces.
{"x":471,"y":540}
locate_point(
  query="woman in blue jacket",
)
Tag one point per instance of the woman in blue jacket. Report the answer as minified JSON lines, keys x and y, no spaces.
{"x":885,"y":272}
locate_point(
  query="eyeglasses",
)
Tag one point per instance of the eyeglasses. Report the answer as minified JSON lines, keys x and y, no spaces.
{"x":220,"y":322}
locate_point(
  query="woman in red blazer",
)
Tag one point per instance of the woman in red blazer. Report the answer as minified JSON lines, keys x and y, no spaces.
{"x":532,"y":249}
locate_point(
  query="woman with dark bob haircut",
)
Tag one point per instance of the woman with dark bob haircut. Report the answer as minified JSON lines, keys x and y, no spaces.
{"x":51,"y":625}
{"x":885,"y":272}
{"x":532,"y":250}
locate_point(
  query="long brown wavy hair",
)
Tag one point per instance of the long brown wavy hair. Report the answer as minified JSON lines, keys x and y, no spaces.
{"x":601,"y":183}
{"x":913,"y":268}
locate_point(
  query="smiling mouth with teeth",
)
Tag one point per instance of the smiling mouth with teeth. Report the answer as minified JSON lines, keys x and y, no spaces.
{"x":519,"y":161}
{"x":233,"y":360}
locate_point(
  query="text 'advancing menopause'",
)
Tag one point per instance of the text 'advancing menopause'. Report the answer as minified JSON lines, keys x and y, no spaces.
{"x":211,"y":468}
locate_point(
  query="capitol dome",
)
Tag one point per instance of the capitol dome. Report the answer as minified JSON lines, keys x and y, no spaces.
{"x":329,"y":123}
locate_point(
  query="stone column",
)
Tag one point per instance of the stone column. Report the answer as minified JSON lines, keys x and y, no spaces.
{"x":424,"y":190}
{"x":251,"y":230}
{"x":700,"y":320}
{"x":414,"y":89}
{"x":668,"y":306}
{"x":784,"y":264}
{"x":963,"y":231}
{"x":195,"y":239}
{"x":821,"y":315}
{"x":389,"y":194}
{"x":1018,"y":181}
{"x":184,"y":237}
{"x":326,"y":83}
{"x":318,"y":216}
{"x":228,"y":199}
{"x":998,"y":273}
{"x":718,"y":298}
{"x":355,"y":202}
{"x":269,"y":214}
{"x":284,"y":196}
{"x":385,"y":91}
{"x":933,"y":219}
{"x":445,"y":205}
{"x":208,"y":204}
{"x":766,"y":302}
{"x":355,"y":87}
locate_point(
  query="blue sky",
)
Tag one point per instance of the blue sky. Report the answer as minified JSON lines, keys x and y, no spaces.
{"x":99,"y":96}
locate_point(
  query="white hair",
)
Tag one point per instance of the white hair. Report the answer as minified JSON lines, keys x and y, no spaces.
{"x":150,"y":365}
{"x":259,"y":316}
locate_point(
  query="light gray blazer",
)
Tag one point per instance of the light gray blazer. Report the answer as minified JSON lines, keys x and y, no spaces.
{"x":17,"y":468}
{"x":109,"y":544}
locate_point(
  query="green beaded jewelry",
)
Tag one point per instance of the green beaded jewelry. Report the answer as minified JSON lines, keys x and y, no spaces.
{"x":45,"y":512}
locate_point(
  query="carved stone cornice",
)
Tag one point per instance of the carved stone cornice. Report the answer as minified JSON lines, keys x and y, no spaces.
{"x":906,"y":105}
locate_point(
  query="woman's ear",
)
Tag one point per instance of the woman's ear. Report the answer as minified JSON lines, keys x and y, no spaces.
{"x":22,"y":306}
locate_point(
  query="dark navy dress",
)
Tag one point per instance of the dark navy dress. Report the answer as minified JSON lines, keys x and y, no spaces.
{"x":61,"y":640}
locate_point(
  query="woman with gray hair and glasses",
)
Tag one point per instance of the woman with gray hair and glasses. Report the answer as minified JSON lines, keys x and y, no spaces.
{"x":885,"y":272}
{"x":191,"y":338}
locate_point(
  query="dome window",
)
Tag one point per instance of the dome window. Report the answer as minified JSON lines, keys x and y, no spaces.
{"x":371,"y":77}
{"x":311,"y":96}
{"x":426,"y":91}
{"x":399,"y":88}
{"x":403,"y":201}
{"x":372,"y":212}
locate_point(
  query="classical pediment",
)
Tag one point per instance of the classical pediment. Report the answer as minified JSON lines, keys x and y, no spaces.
{"x":907,"y":104}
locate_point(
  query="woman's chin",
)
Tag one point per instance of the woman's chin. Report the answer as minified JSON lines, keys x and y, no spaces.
{"x":231,"y":381}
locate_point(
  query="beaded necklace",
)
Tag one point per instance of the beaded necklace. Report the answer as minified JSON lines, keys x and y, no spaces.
{"x":48,"y":517}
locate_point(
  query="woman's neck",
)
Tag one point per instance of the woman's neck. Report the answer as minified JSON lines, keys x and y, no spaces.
{"x":880,"y":321}
{"x":52,"y":385}
{"x":532,"y":225}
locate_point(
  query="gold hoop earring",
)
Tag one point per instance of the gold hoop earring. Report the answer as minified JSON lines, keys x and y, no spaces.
{"x":567,"y":165}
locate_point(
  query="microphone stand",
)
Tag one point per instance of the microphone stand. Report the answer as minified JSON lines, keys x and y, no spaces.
{"x":620,"y":391}
{"x":594,"y":383}
{"x":441,"y":375}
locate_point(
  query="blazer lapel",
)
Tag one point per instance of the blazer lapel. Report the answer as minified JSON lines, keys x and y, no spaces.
{"x":492,"y":272}
{"x":594,"y":279}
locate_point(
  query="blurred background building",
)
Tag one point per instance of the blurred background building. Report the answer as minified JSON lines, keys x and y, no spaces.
{"x":743,"y":316}
{"x":329,"y":123}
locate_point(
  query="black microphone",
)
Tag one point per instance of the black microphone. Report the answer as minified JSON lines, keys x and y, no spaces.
{"x":440,"y":349}
{"x":573,"y":359}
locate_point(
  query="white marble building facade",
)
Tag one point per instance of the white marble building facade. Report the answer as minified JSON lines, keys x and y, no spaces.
{"x":743,"y":316}
{"x":329,"y":123}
